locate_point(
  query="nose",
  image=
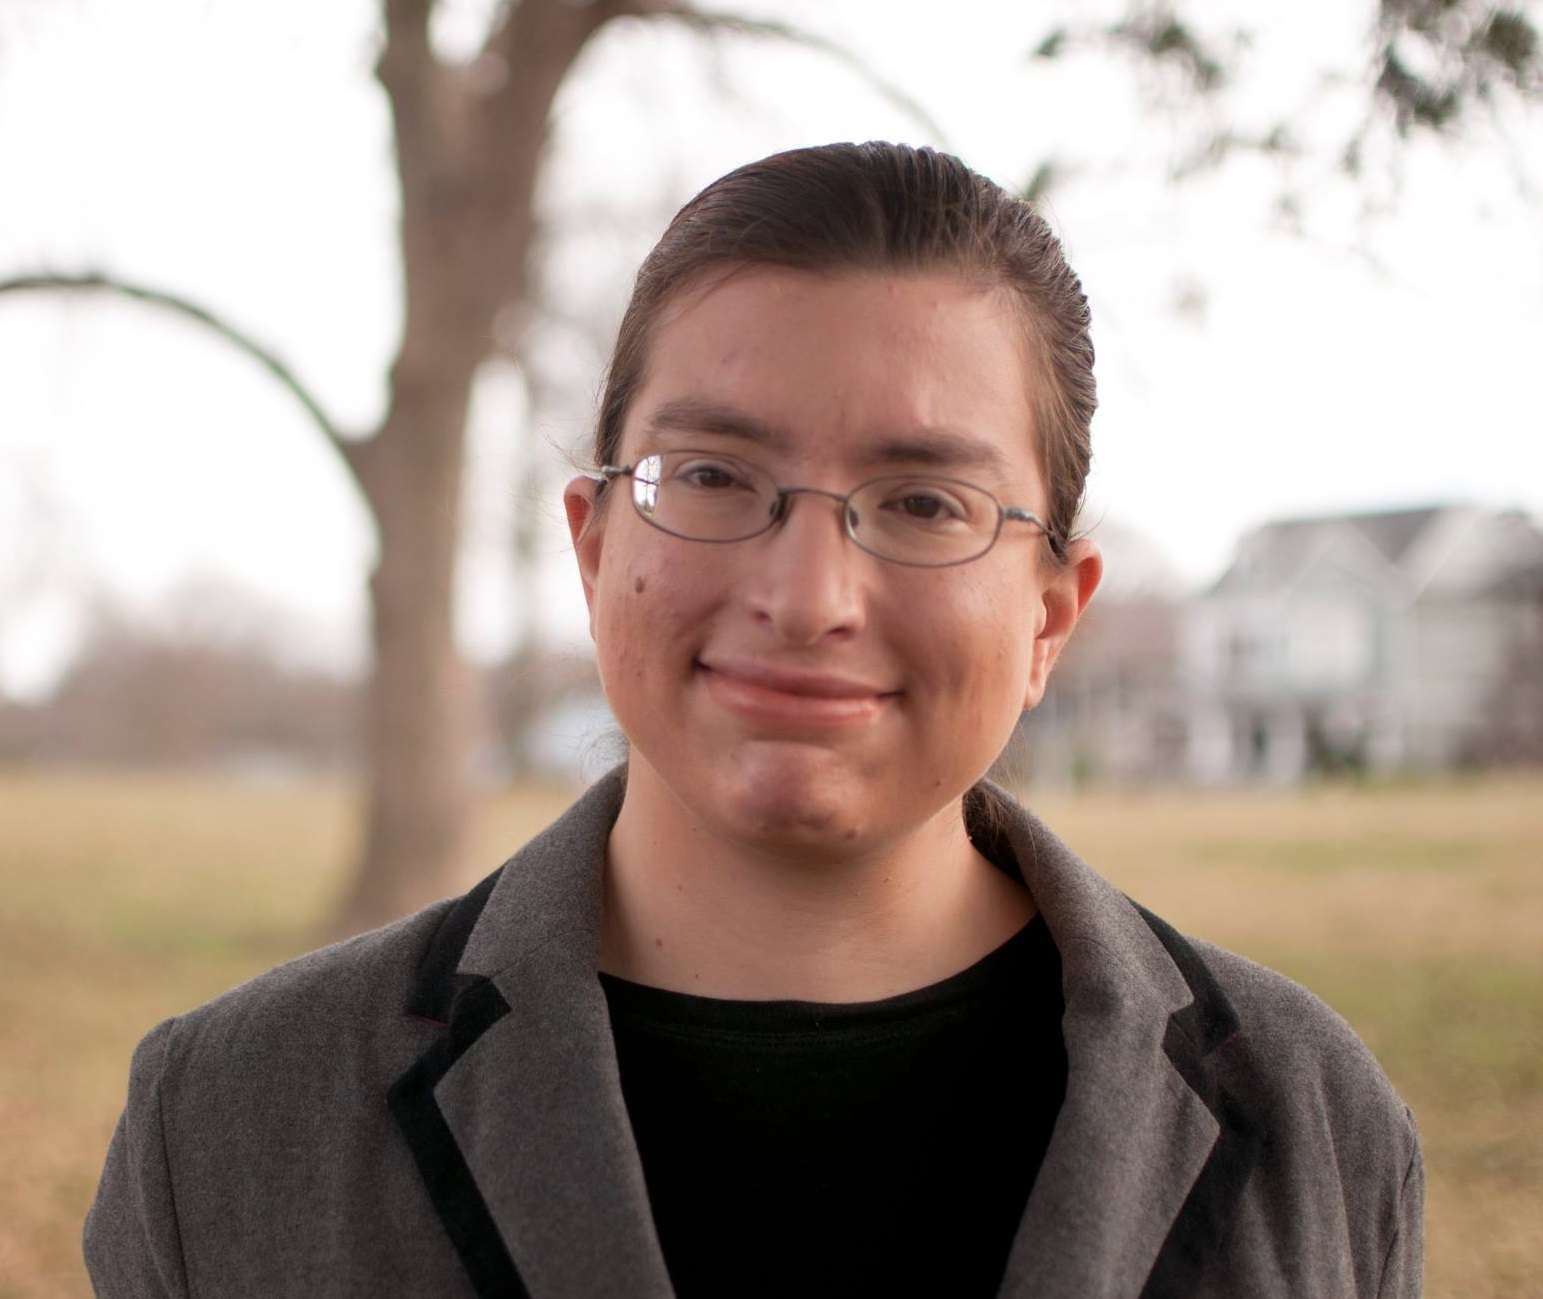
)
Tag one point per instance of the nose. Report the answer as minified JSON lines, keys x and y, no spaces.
{"x":805,"y":578}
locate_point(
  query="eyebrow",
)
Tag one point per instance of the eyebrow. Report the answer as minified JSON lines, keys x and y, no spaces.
{"x":692,"y":415}
{"x":940,"y":448}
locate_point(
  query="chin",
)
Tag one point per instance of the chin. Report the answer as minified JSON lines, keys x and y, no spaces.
{"x":783,"y":798}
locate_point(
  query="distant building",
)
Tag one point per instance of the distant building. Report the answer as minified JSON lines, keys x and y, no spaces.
{"x":1115,"y":710}
{"x":548,"y":718}
{"x":1408,"y":640}
{"x":1411,"y":639}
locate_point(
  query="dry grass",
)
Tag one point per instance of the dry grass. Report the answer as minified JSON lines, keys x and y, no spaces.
{"x":1417,"y":911}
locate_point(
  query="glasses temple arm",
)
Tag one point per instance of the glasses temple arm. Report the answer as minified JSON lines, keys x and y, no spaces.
{"x":1057,"y":543}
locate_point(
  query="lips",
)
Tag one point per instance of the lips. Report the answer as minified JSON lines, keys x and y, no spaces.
{"x":773,"y":695}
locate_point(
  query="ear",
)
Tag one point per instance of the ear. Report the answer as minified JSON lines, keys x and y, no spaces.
{"x":1065,"y":594}
{"x":586,"y":525}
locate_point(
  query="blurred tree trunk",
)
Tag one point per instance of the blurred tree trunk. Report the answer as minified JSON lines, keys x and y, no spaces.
{"x":469,"y":142}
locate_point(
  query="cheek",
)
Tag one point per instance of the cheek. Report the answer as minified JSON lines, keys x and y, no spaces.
{"x":652,"y":602}
{"x":982,"y":652}
{"x":986,"y":635}
{"x":623,"y":616}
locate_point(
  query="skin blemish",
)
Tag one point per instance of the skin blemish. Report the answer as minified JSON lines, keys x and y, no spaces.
{"x":658,"y":942}
{"x":638,"y":584}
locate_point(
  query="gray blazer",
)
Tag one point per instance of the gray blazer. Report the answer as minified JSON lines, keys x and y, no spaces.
{"x":434,"y":1109}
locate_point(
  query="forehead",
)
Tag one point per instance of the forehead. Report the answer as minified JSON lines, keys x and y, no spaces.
{"x":856,"y":368}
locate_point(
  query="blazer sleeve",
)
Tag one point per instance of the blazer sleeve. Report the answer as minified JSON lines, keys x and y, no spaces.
{"x":133,"y":1246}
{"x":1403,"y":1270}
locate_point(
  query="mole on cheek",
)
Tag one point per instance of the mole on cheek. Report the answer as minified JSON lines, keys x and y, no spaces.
{"x":638,"y":584}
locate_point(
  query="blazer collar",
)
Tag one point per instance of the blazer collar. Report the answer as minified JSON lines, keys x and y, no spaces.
{"x":1149,"y":1152}
{"x":515,"y":1117}
{"x":516,"y":1120}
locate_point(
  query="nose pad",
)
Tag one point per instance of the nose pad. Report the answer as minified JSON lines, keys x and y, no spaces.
{"x":803,"y":588}
{"x":783,"y":506}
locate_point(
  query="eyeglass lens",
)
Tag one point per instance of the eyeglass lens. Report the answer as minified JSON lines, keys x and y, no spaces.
{"x":908,"y":518}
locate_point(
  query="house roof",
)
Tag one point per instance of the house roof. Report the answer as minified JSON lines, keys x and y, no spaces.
{"x":1393,"y":531}
{"x":1452,"y":548}
{"x":1278,"y":552}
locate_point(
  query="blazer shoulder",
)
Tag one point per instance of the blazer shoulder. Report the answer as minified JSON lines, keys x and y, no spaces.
{"x":1294,"y":1047}
{"x":350,"y":1000}
{"x":1294,"y":1023}
{"x":253,"y":1119}
{"x":1336,"y":1130}
{"x":356,"y":975}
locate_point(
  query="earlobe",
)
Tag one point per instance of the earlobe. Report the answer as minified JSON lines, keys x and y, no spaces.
{"x":585,"y":527}
{"x":1065,"y":595}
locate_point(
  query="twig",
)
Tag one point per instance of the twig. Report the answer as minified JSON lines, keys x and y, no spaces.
{"x":349,"y":450}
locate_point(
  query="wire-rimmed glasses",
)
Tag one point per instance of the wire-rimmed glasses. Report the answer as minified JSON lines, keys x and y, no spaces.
{"x":921,"y":520}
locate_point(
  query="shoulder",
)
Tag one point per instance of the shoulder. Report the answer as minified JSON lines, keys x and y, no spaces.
{"x":1297,"y":1057}
{"x":310,"y":1026}
{"x":357,"y":979}
{"x":545,"y":897}
{"x":1289,"y":1033}
{"x":1325,"y":1111}
{"x":239,"y":1110}
{"x":1336,"y":1164}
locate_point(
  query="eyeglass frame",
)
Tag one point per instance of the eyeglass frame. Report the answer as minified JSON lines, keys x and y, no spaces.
{"x":1005,"y":513}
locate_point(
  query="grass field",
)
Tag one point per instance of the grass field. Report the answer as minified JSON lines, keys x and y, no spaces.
{"x":1417,"y":911}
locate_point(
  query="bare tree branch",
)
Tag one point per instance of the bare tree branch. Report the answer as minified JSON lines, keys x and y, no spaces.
{"x":1156,"y":37}
{"x":408,"y":71}
{"x":713,"y":21}
{"x":533,"y":46}
{"x":407,"y":51}
{"x":352,"y":452}
{"x":536,"y":31}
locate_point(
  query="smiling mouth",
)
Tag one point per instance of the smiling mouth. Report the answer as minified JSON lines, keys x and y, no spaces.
{"x":777,"y":698}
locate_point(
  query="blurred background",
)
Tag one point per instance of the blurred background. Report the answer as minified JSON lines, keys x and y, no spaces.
{"x":303,"y":311}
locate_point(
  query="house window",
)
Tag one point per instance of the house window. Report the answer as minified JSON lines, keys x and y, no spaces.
{"x":1245,"y":652}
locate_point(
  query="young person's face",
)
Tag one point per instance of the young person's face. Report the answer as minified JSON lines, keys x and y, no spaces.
{"x":792,"y":691}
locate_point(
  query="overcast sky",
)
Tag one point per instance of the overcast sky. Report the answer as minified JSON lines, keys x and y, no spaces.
{"x":240,"y":154}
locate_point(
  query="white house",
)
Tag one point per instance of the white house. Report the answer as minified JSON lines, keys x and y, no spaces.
{"x":1115,"y":709}
{"x":1371,"y":641}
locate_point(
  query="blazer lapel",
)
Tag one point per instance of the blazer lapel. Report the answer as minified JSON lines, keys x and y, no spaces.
{"x":516,"y":1120}
{"x":515,"y":1116}
{"x":1149,"y":1153}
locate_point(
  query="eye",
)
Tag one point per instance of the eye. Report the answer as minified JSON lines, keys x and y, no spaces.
{"x":925,"y":503}
{"x":711,"y":476}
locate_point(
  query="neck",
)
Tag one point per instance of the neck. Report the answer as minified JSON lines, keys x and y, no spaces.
{"x":688,"y":910}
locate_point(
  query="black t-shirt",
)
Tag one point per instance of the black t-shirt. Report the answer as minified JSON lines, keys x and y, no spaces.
{"x":797,"y":1149}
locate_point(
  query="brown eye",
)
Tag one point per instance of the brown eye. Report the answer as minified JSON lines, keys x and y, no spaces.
{"x":924,"y":503}
{"x":923,"y":507}
{"x":710,"y":476}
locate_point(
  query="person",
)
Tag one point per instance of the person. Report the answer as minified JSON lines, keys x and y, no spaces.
{"x":795,"y":1002}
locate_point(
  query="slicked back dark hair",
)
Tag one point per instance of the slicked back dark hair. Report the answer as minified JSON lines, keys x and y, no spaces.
{"x":882,"y":208}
